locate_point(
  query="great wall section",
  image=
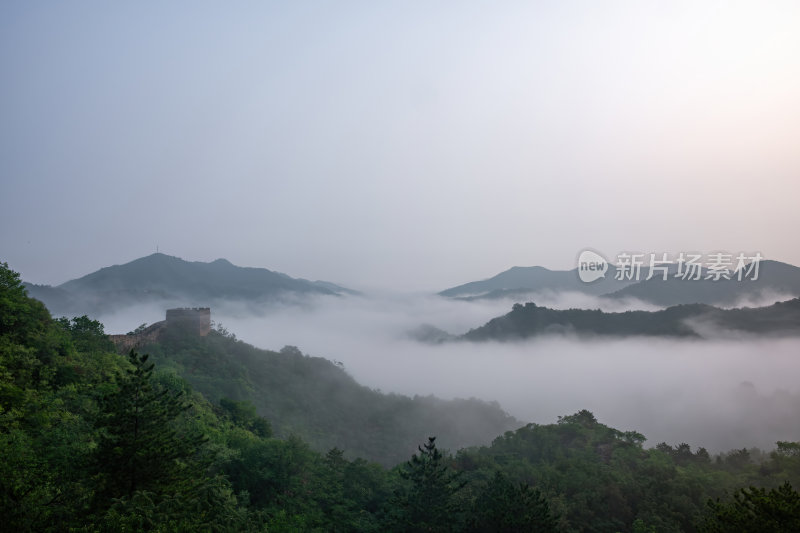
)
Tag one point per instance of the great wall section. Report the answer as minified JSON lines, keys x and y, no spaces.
{"x":197,"y":319}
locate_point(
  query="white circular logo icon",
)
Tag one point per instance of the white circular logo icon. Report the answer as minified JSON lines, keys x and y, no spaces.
{"x":591,"y":266}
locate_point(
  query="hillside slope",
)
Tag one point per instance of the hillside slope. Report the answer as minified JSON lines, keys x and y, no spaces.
{"x":529,"y":320}
{"x":317,"y":400}
{"x":519,"y":280}
{"x":775,"y":279}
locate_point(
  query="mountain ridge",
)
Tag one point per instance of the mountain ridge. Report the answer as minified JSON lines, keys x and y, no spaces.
{"x":685,"y":320}
{"x":162,"y":278}
{"x":776,"y":279}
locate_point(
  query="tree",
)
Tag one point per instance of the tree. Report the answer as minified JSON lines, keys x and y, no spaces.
{"x":510,"y":508}
{"x":28,"y":340}
{"x":583,"y":418}
{"x":140,"y":448}
{"x":244,"y":415}
{"x":138,"y":330}
{"x":87,"y":335}
{"x":428,"y":502}
{"x":756,"y":510}
{"x":788,"y":449}
{"x":14,"y":303}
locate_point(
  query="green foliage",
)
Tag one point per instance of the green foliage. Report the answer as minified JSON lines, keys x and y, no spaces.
{"x":243,"y":414}
{"x":788,"y":449}
{"x":530,"y":320}
{"x":18,"y":314}
{"x":43,"y":436}
{"x":582,"y":418}
{"x":317,"y":400}
{"x":139,"y":448}
{"x":596,"y":478}
{"x":756,"y":510}
{"x":506,"y":507}
{"x":139,"y":329}
{"x":67,"y":408}
{"x":428,"y":500}
{"x":210,"y":507}
{"x":87,"y":335}
{"x":92,"y":441}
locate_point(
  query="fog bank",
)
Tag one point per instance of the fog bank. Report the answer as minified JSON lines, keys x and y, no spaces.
{"x":721,"y":394}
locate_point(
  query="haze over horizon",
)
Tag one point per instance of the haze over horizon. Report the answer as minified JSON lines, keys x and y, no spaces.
{"x":257,"y":265}
{"x":403,"y":145}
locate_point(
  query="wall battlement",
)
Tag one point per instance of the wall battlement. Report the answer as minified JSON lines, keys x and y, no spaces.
{"x":196,"y":317}
{"x":192,"y":318}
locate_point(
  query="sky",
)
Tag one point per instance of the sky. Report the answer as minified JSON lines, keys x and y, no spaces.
{"x":411,"y":145}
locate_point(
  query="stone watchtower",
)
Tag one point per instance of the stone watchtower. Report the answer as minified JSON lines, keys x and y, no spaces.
{"x":196,"y":318}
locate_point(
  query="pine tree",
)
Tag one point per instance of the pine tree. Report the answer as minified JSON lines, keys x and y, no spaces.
{"x":756,"y":510}
{"x":506,"y":507}
{"x":429,"y":502}
{"x":139,"y":447}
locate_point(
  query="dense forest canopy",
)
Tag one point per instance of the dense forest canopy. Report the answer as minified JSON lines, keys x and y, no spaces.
{"x":92,"y":440}
{"x":680,"y":321}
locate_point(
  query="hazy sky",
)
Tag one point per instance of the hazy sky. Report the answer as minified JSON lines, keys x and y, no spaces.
{"x":407,"y":144}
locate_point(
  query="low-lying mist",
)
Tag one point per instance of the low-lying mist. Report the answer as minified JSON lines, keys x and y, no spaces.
{"x":721,"y":394}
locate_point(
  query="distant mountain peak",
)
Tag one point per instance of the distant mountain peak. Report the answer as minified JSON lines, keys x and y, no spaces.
{"x":528,"y":268}
{"x":156,"y":256}
{"x":532,"y":279}
{"x":776,"y":280}
{"x":163,"y":278}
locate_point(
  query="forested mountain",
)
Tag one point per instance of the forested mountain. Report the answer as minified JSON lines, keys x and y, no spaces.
{"x":696,"y":320}
{"x":776,"y":280}
{"x":523,"y":280}
{"x":317,"y":400}
{"x":163,"y":278}
{"x":598,"y":478}
{"x":94,"y":441}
